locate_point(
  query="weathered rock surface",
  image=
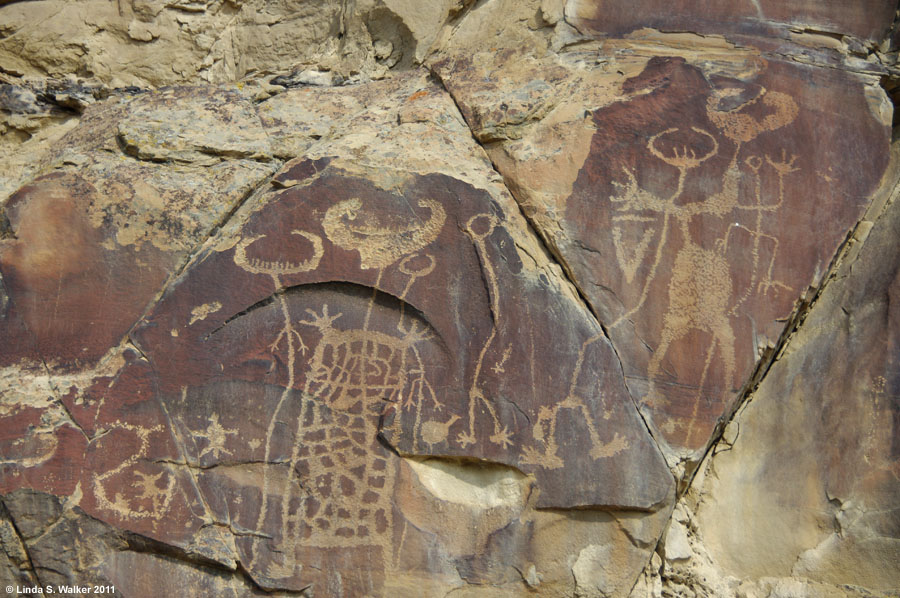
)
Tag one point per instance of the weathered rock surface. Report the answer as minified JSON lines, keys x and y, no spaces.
{"x":337,"y":305}
{"x":692,"y":197}
{"x":387,"y":298}
{"x":152,"y":42}
{"x":102,"y":230}
{"x":870,"y":20}
{"x":814,"y":451}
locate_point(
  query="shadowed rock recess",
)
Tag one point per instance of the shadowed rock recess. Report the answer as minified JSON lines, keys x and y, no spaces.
{"x":495,"y":298}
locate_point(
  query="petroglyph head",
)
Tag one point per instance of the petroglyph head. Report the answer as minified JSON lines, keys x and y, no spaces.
{"x":682,"y":148}
{"x":381,"y":240}
{"x":738,"y":124}
{"x":278,"y":267}
{"x":481,"y":226}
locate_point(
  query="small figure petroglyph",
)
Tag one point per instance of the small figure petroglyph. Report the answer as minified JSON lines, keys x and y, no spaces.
{"x":216,"y":435}
{"x":544,"y":430}
{"x":151,"y":502}
{"x":479,"y":228}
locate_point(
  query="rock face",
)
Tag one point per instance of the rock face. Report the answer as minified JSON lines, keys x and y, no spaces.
{"x":488,"y":299}
{"x":842,"y":504}
{"x":99,"y":222}
{"x":869,"y":21}
{"x":697,"y":188}
{"x":814,"y":451}
{"x":336,"y":306}
{"x":699,"y":196}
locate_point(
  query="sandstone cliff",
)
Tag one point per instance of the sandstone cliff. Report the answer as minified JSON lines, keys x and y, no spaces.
{"x":450,"y":298}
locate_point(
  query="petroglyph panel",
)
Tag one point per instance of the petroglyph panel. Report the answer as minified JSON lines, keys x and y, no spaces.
{"x":351,"y":329}
{"x":370,"y":382}
{"x":411,"y":362}
{"x":704,"y":210}
{"x":693,"y":208}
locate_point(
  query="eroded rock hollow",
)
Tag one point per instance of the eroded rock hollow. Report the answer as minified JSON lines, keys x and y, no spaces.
{"x":495,"y":298}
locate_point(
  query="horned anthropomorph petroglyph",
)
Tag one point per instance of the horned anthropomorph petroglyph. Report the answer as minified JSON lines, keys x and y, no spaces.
{"x":345,"y":380}
{"x":701,"y":293}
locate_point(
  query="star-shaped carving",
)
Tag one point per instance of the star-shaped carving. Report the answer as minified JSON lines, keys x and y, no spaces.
{"x":216,"y":436}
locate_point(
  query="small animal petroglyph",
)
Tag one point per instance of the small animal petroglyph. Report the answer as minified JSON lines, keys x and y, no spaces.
{"x":435,"y":432}
{"x":202,"y":311}
{"x":150,"y":501}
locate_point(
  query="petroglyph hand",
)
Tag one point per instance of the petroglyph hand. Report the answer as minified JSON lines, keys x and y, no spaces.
{"x":420,"y":389}
{"x":416,"y":333}
{"x":632,"y":197}
{"x":765,"y":286}
{"x":547,"y":459}
{"x":754,"y":163}
{"x":323,"y":321}
{"x":531,"y":456}
{"x":273,"y":347}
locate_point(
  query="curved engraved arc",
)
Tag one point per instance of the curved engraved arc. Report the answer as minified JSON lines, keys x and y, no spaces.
{"x":688,"y":157}
{"x":380,"y":246}
{"x":741,"y":127}
{"x":278,"y":268}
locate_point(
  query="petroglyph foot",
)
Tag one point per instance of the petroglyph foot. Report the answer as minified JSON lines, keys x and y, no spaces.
{"x":502,"y":438}
{"x":465,"y":439}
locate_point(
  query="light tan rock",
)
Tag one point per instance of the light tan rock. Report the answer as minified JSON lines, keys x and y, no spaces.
{"x":29,"y":128}
{"x":424,"y":22}
{"x":157,"y":43}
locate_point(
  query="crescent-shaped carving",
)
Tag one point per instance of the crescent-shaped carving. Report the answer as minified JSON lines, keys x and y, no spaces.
{"x":278,"y":267}
{"x":380,"y":246}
